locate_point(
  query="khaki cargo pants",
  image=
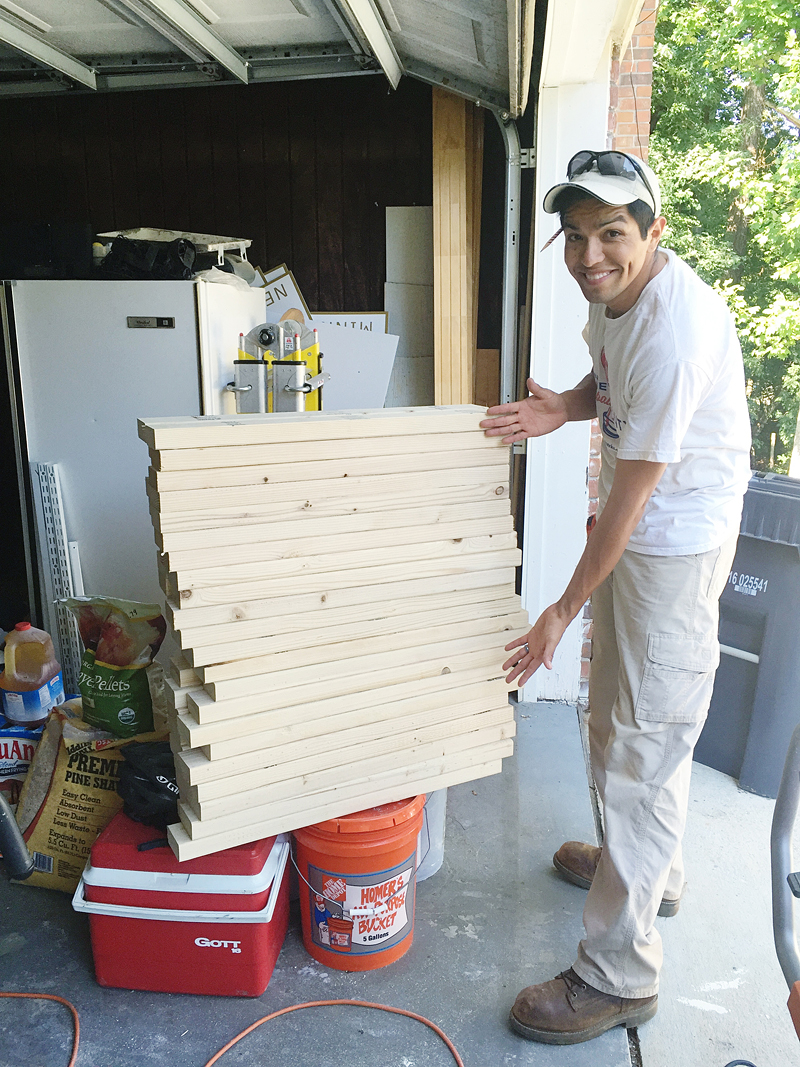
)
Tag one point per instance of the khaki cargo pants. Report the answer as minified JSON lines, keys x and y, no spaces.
{"x":655,"y":651}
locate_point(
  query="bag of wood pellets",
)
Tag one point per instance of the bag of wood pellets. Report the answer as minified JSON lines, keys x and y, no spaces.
{"x":120,"y":639}
{"x":69,"y":795}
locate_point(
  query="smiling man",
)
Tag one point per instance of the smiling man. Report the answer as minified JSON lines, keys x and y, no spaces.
{"x":667,"y":385}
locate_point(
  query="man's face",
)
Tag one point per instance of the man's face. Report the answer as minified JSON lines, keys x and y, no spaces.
{"x":606,"y":254}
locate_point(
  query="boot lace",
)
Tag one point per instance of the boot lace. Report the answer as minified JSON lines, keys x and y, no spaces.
{"x":573,"y":984}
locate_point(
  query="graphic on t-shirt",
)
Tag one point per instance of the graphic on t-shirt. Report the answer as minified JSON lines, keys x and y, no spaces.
{"x":609,"y":422}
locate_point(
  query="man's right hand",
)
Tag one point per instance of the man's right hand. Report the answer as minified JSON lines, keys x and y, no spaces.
{"x":540,"y":413}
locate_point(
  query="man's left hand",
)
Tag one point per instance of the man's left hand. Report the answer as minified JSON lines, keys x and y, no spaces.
{"x":537,"y":647}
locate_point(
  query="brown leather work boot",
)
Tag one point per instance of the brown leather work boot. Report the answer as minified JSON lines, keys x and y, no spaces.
{"x":567,"y":1010}
{"x":577,"y":862}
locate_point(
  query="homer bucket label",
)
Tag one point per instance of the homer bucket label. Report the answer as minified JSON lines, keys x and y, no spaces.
{"x":362,"y":913}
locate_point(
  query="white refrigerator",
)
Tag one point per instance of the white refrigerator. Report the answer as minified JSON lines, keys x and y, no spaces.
{"x":85,"y":359}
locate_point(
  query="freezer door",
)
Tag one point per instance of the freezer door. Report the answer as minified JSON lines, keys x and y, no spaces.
{"x":85,"y":376}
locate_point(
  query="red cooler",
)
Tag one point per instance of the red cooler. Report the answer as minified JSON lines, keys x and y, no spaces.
{"x":213,"y":925}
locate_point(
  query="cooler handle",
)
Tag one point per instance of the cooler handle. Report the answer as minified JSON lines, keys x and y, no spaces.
{"x":129,"y":911}
{"x":176,"y":882}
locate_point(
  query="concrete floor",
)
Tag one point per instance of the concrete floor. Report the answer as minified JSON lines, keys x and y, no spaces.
{"x":495,"y":918}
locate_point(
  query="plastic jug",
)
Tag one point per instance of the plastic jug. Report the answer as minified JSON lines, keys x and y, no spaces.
{"x":31,"y":683}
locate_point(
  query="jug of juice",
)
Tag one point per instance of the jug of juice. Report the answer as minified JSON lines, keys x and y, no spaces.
{"x":31,"y":683}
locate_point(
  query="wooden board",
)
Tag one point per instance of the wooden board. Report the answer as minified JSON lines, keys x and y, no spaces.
{"x":310,"y":737}
{"x":188,"y":535}
{"x":428,"y":779}
{"x":176,"y":696}
{"x":338,"y":617}
{"x":180,"y":615}
{"x":181,"y":671}
{"x":231,"y":456}
{"x":306,"y":583}
{"x":398,"y":489}
{"x":369,"y":671}
{"x":274,"y":471}
{"x":209,"y":721}
{"x":244,"y":740}
{"x":453,"y":289}
{"x":239,"y":569}
{"x":202,"y":431}
{"x":342,"y":589}
{"x":255,"y":674}
{"x":308,"y":638}
{"x":404,"y":781}
{"x":326,"y":769}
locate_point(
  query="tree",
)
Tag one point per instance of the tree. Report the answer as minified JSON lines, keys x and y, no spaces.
{"x":726,"y":142}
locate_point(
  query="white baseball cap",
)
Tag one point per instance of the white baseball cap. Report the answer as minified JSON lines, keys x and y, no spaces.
{"x":611,"y":176}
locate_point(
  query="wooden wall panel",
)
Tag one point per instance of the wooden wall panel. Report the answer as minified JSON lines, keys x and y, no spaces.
{"x":305,"y":169}
{"x":457,"y":170}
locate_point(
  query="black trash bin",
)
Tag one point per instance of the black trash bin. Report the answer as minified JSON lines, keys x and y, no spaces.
{"x":756,"y":701}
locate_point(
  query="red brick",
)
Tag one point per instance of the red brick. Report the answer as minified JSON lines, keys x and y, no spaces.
{"x":584,"y":668}
{"x":593,"y":488}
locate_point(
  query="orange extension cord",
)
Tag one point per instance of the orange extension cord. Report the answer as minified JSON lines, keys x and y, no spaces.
{"x":274,"y":1015}
{"x":380,"y":1007}
{"x":60,"y":1000}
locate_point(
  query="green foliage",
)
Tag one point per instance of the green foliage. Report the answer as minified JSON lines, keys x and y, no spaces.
{"x":729,"y":161}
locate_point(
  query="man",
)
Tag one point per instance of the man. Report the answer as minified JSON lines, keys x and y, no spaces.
{"x":667,"y":385}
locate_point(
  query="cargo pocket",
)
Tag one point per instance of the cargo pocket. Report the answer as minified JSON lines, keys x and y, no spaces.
{"x":678,"y":678}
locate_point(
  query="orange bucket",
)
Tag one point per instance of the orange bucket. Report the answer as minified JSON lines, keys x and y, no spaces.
{"x":357,"y":885}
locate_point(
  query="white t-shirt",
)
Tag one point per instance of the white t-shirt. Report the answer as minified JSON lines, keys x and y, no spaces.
{"x":670,"y":389}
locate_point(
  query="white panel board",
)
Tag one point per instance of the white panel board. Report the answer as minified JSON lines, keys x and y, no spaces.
{"x":224,"y":312}
{"x":360,"y":365}
{"x":409,"y":245}
{"x":408,"y":299}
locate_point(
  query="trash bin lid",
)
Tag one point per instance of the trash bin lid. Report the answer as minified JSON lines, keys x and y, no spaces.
{"x":772,"y":509}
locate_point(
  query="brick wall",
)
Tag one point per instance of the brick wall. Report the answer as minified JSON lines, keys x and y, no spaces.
{"x":631,"y":88}
{"x":628,"y":131}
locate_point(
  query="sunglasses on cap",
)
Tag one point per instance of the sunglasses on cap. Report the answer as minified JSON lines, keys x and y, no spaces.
{"x":610,"y":164}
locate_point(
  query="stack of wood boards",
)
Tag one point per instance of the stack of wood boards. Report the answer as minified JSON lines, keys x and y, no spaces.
{"x":342,"y":588}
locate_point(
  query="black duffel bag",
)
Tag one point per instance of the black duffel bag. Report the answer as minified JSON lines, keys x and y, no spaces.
{"x":154,"y":260}
{"x":147,"y":783}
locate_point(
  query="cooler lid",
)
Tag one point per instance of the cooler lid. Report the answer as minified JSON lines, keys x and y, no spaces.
{"x":379,"y":818}
{"x":117,"y":847}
